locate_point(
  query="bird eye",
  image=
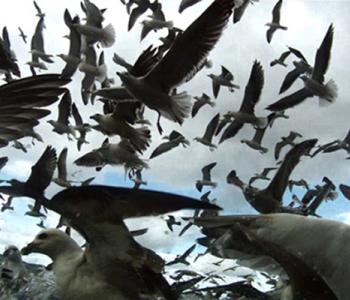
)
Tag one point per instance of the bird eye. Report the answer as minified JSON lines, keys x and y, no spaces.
{"x":42,"y":236}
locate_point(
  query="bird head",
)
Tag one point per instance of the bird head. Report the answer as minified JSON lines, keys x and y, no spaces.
{"x":51,"y":242}
{"x":12,"y":253}
{"x":96,"y":117}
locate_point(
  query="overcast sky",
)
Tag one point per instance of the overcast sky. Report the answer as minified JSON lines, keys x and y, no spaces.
{"x":178,"y":170}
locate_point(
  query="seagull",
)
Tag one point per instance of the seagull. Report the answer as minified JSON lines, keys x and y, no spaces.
{"x":73,"y":58}
{"x":37,"y":48}
{"x":224,"y":79}
{"x":22,"y":35}
{"x":181,"y":259}
{"x":301,"y":182}
{"x":262,"y":175}
{"x":39,"y":179}
{"x":127,"y":271}
{"x":275,"y":24}
{"x":255,"y":142}
{"x":269,"y":200}
{"x":155,"y":22}
{"x":300,"y":67}
{"x":61,"y":178}
{"x":175,"y":139}
{"x":112,"y":124}
{"x":8,"y":57}
{"x":286,"y":140}
{"x":209,"y":133}
{"x":122,"y":153}
{"x":314,"y":85}
{"x":170,"y":222}
{"x":206,"y":177}
{"x":200,"y":102}
{"x":246,"y":112}
{"x":62,"y":126}
{"x":233,"y":179}
{"x":92,"y":30}
{"x":81,"y":127}
{"x":294,"y":242}
{"x":39,"y":14}
{"x":196,"y":42}
{"x":335,"y":146}
{"x":142,"y":7}
{"x":281,"y":59}
{"x":18,"y":145}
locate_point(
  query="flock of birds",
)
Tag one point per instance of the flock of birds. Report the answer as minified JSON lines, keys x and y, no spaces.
{"x":291,"y":237}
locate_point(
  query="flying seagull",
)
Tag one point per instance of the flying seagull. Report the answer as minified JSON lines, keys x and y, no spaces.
{"x":262,"y":175}
{"x":113,"y":263}
{"x":270,"y":199}
{"x":314,"y":85}
{"x":191,"y":47}
{"x":206,"y":177}
{"x":275,"y":24}
{"x":294,"y":242}
{"x":39,"y":179}
{"x":207,"y":138}
{"x":224,"y":79}
{"x":175,"y":139}
{"x":200,"y":102}
{"x":22,"y":35}
{"x":246,"y":112}
{"x":286,"y":140}
{"x":281,"y":59}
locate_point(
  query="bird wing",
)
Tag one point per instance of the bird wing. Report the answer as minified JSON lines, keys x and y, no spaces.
{"x":186,"y":4}
{"x":279,"y":182}
{"x":253,"y":89}
{"x":65,"y":108}
{"x":164,"y":147}
{"x":269,"y":34}
{"x":226,"y":73}
{"x":190,"y":49}
{"x":289,"y":80}
{"x":135,"y":14}
{"x":239,"y":11}
{"x":206,"y":171}
{"x":276,"y":12}
{"x":196,"y":107}
{"x":43,"y":170}
{"x":290,"y":100}
{"x":62,"y":164}
{"x":37,"y":7}
{"x":76,"y":115}
{"x":345,"y":190}
{"x":323,"y":56}
{"x":145,"y":62}
{"x":346,"y":139}
{"x":284,"y":55}
{"x":297,"y":53}
{"x":216,"y":88}
{"x":211,"y":128}
{"x":37,"y":42}
{"x":231,"y":130}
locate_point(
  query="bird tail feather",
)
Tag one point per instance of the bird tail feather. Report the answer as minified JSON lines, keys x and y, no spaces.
{"x":108,"y":36}
{"x":181,"y":105}
{"x":331,"y":94}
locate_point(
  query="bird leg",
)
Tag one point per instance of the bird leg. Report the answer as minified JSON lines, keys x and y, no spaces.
{"x":160,"y":129}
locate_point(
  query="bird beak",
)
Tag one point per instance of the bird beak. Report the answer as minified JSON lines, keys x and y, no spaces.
{"x":30,"y":248}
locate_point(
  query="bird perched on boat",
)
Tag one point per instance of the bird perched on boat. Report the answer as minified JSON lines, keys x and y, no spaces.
{"x":291,"y":241}
{"x":314,"y":85}
{"x":275,"y":24}
{"x":224,"y":79}
{"x":206,"y":177}
{"x":192,"y":47}
{"x":246,"y":111}
{"x":207,"y":138}
{"x":113,"y":265}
